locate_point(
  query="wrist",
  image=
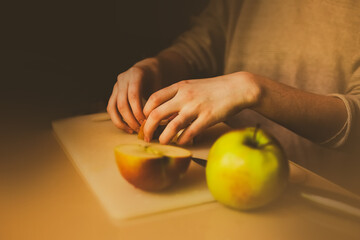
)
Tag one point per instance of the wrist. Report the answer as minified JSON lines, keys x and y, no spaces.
{"x":173,"y":67}
{"x":250,"y":89}
{"x":150,"y":68}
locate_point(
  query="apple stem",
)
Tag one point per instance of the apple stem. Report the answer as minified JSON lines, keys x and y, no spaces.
{"x":253,"y":141}
{"x":255,"y":132}
{"x":264,"y":145}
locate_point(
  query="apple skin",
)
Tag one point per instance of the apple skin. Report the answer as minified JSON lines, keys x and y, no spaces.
{"x":152,"y":167}
{"x":246,"y":169}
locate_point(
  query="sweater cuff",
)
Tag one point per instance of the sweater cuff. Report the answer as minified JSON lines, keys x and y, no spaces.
{"x":341,"y":136}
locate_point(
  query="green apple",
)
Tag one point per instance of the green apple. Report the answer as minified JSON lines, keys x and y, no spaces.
{"x":152,"y":167}
{"x":246,"y":169}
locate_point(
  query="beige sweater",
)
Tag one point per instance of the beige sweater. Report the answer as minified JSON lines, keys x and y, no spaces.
{"x":313,"y":45}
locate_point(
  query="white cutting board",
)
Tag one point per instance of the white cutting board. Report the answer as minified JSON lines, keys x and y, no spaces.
{"x":90,"y":140}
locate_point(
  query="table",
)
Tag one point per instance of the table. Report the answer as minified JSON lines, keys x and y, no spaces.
{"x":43,"y":197}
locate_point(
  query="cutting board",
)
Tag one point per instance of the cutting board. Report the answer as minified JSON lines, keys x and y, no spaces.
{"x":89,"y":142}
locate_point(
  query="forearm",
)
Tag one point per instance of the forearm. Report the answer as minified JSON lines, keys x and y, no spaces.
{"x":163,"y":70}
{"x":173,"y":67}
{"x":313,"y":116}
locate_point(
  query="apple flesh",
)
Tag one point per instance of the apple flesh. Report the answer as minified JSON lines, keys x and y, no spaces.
{"x":246,"y":169}
{"x":152,"y":167}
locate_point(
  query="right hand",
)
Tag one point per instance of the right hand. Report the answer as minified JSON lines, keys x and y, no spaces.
{"x":125,"y":103}
{"x":198,"y":104}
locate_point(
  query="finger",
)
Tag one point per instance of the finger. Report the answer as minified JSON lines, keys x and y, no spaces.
{"x":181,"y":121}
{"x":159,"y":97}
{"x":164,"y":111}
{"x":114,"y":114}
{"x":199,"y":125}
{"x":125,"y":111}
{"x":135,"y":100}
{"x":172,"y":116}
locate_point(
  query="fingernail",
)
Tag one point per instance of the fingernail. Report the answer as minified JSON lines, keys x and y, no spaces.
{"x":130,"y":131}
{"x":146,"y":139}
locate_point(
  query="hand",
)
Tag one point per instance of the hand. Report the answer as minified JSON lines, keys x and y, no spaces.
{"x":198,"y":104}
{"x":125,"y":102}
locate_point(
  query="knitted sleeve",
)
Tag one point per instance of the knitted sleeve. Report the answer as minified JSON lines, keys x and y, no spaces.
{"x":202,"y":46}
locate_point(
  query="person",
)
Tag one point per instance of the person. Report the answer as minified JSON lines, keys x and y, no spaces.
{"x":292,"y":66}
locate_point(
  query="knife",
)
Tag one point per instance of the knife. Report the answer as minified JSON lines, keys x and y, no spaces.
{"x":201,"y":162}
{"x":322,"y":198}
{"x":331,"y":201}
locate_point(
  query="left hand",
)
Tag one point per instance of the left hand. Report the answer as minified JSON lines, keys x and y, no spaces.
{"x":199,"y":104}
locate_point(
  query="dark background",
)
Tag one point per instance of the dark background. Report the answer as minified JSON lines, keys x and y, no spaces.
{"x":62,"y":57}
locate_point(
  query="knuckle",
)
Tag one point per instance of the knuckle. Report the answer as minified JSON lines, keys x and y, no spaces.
{"x":186,"y":92}
{"x":207,"y":113}
{"x":189,"y":94}
{"x":132,"y":94}
{"x":245,"y":74}
{"x":179,"y":84}
{"x":119,"y":124}
{"x":136,"y":72}
{"x":119,"y":77}
{"x":130,"y":122}
{"x":122,"y":102}
{"x":138,"y":113}
{"x":120,"y":105}
{"x":184,"y":82}
{"x":154,"y":98}
{"x":155,"y":114}
{"x":188,"y":111}
{"x":138,"y":116}
{"x":174,"y":126}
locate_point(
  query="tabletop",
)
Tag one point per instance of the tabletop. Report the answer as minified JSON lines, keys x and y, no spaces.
{"x":43,"y":197}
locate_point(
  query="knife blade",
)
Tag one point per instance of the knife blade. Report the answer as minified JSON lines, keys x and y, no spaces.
{"x":331,"y":200}
{"x":322,"y":198}
{"x":201,"y":162}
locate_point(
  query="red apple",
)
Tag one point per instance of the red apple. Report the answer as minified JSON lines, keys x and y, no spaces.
{"x":152,"y":167}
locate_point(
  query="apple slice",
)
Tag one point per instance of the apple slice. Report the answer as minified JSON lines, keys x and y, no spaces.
{"x":152,"y":167}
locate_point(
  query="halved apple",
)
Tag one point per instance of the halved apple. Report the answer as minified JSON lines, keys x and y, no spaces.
{"x":152,"y":167}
